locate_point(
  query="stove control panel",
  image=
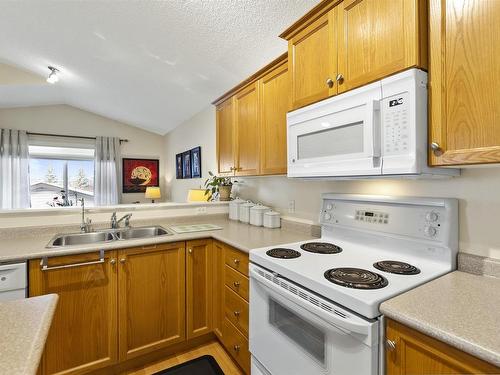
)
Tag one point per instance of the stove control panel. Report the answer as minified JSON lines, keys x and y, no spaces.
{"x":420,"y":218}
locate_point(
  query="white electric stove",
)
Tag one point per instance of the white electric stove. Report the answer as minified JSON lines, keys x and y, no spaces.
{"x":314,"y":305}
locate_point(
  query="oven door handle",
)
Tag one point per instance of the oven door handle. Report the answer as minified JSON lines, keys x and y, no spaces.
{"x":345,"y":324}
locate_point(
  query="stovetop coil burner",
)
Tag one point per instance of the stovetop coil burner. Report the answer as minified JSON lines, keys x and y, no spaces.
{"x":393,"y":266}
{"x":283,"y":253}
{"x":356,"y":278}
{"x":321,"y":248}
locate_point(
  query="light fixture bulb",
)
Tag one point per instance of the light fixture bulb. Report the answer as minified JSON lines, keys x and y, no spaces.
{"x":53,"y":77}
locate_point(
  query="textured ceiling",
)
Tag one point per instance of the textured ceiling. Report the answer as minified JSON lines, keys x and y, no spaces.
{"x":151,"y":64}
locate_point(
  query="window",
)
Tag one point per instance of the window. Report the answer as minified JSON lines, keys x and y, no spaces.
{"x":60,"y":176}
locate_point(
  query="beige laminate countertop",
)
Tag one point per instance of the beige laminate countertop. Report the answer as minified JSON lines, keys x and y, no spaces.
{"x":24,"y":325}
{"x":31,"y":244}
{"x":460,"y":309}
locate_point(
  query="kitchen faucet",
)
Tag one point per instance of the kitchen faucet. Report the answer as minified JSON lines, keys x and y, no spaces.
{"x":115,"y":223}
{"x":85,"y":225}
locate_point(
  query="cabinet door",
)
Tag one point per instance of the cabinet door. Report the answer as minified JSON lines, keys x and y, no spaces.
{"x":247,"y":130}
{"x":152,"y":298}
{"x":218,"y":287}
{"x":199,"y":287}
{"x":274,"y":104}
{"x":83,"y":334}
{"x":417,"y":354}
{"x":312,"y":61}
{"x":225,"y":137}
{"x":378,"y":38}
{"x":465,"y":71}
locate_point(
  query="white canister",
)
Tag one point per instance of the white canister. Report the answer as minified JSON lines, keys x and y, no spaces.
{"x":257,"y":214}
{"x":245,"y":211}
{"x":272,"y":219}
{"x":234,"y":208}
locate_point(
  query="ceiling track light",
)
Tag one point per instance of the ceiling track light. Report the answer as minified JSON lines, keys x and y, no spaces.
{"x":53,"y":77}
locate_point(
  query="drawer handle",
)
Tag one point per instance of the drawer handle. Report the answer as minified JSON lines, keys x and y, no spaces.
{"x":45,"y":260}
{"x":236,"y":284}
{"x":236,"y":261}
{"x":237,"y":313}
{"x":236,"y":348}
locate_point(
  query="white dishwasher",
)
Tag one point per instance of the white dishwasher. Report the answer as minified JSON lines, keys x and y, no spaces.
{"x":13,"y":281}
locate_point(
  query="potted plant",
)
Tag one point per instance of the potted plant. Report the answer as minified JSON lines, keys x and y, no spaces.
{"x":218,"y":186}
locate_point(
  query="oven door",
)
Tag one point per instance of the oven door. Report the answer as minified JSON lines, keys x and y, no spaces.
{"x":289,"y":335}
{"x":336,"y":137}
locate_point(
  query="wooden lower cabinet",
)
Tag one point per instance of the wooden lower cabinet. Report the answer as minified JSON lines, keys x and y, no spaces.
{"x":84,"y":329}
{"x":152,"y":305}
{"x":199,"y":287}
{"x":417,"y":354}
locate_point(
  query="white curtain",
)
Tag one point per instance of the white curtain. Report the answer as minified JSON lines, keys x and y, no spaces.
{"x":107,"y":171}
{"x":14,"y":169}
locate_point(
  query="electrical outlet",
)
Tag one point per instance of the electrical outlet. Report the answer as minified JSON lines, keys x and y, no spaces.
{"x":291,"y":207}
{"x":201,"y":210}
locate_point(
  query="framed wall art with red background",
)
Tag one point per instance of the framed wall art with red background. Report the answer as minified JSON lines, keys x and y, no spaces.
{"x":139,"y":174}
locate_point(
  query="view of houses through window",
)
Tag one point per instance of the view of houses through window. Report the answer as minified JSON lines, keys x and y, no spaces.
{"x":60,"y":177}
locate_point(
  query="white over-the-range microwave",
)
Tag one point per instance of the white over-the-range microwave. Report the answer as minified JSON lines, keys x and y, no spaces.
{"x":378,"y":130}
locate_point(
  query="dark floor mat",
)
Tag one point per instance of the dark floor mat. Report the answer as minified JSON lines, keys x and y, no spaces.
{"x":205,"y":365}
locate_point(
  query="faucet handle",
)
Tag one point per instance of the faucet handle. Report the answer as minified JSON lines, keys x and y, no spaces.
{"x":127,"y":220}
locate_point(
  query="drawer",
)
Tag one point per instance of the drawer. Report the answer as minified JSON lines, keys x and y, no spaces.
{"x":236,"y":310}
{"x":236,"y":344}
{"x":237,"y":282}
{"x":237,"y":260}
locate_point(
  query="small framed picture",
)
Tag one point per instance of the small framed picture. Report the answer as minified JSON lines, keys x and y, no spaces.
{"x":178,"y":166}
{"x":186,"y":164}
{"x":196,"y":162}
{"x":139,"y":174}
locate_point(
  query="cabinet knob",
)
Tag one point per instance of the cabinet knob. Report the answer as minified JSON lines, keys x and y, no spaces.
{"x":236,"y":284}
{"x":436,"y":149}
{"x":112,"y":261}
{"x":190,"y":251}
{"x":122,"y":260}
{"x":236,"y":348}
{"x":232,"y":169}
{"x":236,"y":313}
{"x":236,"y":261}
{"x":390,"y":345}
{"x":340,"y":78}
{"x":329,"y":82}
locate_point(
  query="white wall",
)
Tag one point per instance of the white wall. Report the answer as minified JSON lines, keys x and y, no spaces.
{"x":67,"y":120}
{"x":197,"y":131}
{"x":478,"y":189}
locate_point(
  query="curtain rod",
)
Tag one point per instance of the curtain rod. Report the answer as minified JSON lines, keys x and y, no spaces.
{"x":69,"y":136}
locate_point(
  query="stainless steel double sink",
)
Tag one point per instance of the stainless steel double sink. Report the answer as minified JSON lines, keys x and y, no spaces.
{"x":108,"y":235}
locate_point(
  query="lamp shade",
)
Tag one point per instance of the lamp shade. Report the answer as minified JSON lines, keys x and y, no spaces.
{"x":152,"y":192}
{"x":197,"y":195}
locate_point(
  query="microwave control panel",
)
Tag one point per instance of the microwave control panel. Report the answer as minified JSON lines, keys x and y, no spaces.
{"x":395,"y":124}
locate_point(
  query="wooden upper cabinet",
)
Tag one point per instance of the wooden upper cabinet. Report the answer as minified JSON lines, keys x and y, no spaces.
{"x":464,"y":82}
{"x":377,"y":38}
{"x":274,"y":104}
{"x":414,"y":353}
{"x":152,"y":305}
{"x":199,"y":287}
{"x":313,"y":61}
{"x":83,"y":334}
{"x":225,"y":136}
{"x":247,"y":145}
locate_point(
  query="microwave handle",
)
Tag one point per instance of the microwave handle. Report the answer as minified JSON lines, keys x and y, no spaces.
{"x":373,"y":111}
{"x":345,"y":324}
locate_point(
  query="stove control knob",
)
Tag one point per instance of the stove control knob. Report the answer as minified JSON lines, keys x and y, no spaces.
{"x":431,"y":216}
{"x":328,"y":216}
{"x":430,"y":231}
{"x":329,"y":206}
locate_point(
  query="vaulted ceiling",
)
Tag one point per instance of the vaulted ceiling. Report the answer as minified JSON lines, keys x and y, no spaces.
{"x":151,"y":64}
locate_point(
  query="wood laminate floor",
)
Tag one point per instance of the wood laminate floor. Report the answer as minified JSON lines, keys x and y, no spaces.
{"x":214,"y":349}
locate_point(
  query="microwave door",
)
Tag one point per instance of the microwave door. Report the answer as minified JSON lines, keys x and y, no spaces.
{"x":340,"y":143}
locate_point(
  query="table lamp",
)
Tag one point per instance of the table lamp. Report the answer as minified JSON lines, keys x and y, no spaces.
{"x":152,"y":193}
